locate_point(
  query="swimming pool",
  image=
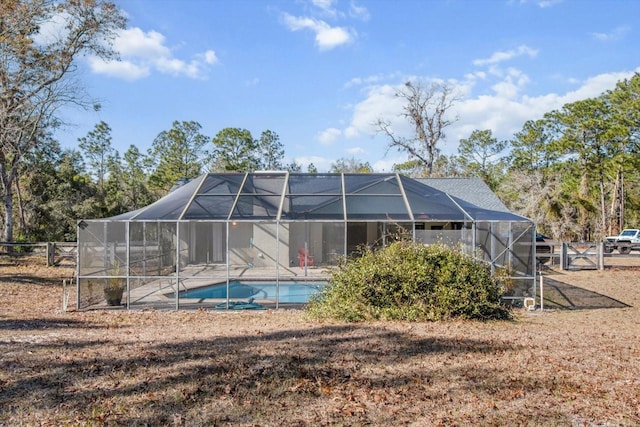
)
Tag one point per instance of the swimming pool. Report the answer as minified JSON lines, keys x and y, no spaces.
{"x":289,"y":291}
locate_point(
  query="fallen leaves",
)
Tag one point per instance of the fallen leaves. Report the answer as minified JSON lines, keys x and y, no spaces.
{"x":275,"y":367}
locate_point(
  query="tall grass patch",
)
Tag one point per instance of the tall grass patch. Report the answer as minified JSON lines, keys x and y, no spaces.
{"x":410,"y":281}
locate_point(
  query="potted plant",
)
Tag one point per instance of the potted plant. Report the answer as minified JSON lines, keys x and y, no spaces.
{"x":114,"y":286}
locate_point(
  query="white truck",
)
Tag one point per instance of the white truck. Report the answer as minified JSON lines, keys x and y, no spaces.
{"x":625,"y":242}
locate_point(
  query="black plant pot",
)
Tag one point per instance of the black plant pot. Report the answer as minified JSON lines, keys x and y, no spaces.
{"x":114,"y":296}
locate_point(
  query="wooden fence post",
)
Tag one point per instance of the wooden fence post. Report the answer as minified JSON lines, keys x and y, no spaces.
{"x":600,"y":255}
{"x":51,"y":254}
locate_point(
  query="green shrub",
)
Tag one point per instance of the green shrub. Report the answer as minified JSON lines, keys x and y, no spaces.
{"x":410,"y":281}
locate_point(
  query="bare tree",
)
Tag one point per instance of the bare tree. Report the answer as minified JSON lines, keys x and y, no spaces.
{"x":426,"y":109}
{"x":40,"y":40}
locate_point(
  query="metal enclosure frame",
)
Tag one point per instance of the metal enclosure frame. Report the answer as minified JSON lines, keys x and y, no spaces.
{"x":287,"y":228}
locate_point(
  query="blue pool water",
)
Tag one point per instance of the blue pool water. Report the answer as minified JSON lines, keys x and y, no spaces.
{"x":294,"y":292}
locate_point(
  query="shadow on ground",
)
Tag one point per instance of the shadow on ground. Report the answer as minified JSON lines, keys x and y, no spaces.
{"x":235,"y":380}
{"x":562,"y":296}
{"x":40,"y":324}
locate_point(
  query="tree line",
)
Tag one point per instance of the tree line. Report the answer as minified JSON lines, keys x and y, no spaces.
{"x":575,"y":171}
{"x":57,"y":186}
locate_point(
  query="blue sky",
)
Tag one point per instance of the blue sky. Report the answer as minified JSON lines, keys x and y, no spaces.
{"x":320,"y":72}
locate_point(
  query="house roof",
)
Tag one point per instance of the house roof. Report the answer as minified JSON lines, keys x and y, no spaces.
{"x":472,"y":189}
{"x":285,"y":196}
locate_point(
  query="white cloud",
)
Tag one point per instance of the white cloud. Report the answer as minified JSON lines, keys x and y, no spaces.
{"x":505,"y":116}
{"x":369,"y":80}
{"x":321,"y":163}
{"x":133,"y":42}
{"x":511,"y":86}
{"x":502,"y":56}
{"x":326,"y":36}
{"x":355,"y":151}
{"x":142,"y":52}
{"x":123,"y":69}
{"x":380,"y":102}
{"x":359,"y":12}
{"x":210,"y":57}
{"x":387,"y":164}
{"x":329,"y":136}
{"x":542,"y":3}
{"x":594,"y":86}
{"x":55,"y":28}
{"x":326,"y":6}
{"x":476,"y":75}
{"x":616,"y":34}
{"x":356,"y":81}
{"x":330,"y":37}
{"x":548,"y":3}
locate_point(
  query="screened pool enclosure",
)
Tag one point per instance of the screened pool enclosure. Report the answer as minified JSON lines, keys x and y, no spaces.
{"x":272,"y":237}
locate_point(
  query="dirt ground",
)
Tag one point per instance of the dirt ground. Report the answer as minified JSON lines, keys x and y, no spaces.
{"x":576,"y":363}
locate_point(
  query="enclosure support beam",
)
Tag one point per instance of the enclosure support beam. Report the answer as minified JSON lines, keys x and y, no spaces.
{"x":227,"y":261}
{"x":277,"y":264}
{"x":177,"y":292}
{"x":127,"y":239}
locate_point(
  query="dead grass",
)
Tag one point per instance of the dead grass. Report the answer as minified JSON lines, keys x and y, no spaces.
{"x":569,"y":366}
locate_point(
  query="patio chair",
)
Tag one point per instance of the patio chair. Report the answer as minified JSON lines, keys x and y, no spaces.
{"x":304,"y":258}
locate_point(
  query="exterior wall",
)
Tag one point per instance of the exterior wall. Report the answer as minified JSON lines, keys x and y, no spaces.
{"x":241,"y":254}
{"x":266,"y":250}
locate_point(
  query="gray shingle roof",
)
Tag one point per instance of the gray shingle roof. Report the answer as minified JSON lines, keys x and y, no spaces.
{"x":472,"y":190}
